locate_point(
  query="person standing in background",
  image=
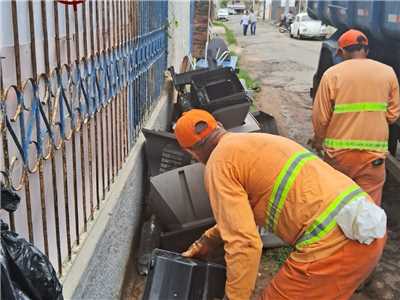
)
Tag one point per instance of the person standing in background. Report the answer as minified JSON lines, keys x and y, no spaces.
{"x":355,"y":102}
{"x":253,"y":22}
{"x":245,"y":22}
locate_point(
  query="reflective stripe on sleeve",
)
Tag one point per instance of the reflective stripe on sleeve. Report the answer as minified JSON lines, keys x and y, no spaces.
{"x":326,"y":221}
{"x":283,"y":184}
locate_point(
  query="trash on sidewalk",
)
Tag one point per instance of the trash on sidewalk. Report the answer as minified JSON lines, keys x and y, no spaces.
{"x":177,"y":196}
{"x":26,"y":273}
{"x":192,"y":279}
{"x":163,"y":152}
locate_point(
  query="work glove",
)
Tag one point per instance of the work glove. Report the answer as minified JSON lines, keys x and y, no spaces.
{"x":199,"y":249}
{"x":316,"y":144}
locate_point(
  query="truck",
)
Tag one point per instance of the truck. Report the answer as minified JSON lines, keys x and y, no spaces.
{"x":380,"y":21}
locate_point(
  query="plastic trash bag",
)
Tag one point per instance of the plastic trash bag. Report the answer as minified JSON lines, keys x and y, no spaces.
{"x":362,"y":220}
{"x":29,"y":270}
{"x":9,"y":289}
{"x":149,"y":240}
{"x":9,"y":199}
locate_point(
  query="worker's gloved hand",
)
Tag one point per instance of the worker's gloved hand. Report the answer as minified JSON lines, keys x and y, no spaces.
{"x":316,"y":144}
{"x":199,"y":249}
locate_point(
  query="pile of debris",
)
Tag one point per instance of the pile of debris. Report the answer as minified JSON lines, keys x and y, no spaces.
{"x":177,"y":202}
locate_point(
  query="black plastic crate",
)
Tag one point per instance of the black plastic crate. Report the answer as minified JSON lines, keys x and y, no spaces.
{"x":163,"y":152}
{"x":217,"y":85}
{"x":173,"y":277}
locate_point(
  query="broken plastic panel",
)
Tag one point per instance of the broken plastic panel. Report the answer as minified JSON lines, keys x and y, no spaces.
{"x":232,"y":115}
{"x":178,"y":196}
{"x":267,"y":122}
{"x":172,"y":277}
{"x":215,"y":85}
{"x":220,"y":91}
{"x":163,"y":152}
{"x":181,"y":79}
{"x":181,"y":239}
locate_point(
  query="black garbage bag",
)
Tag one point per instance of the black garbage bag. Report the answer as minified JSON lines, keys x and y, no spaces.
{"x":9,"y":289}
{"x":29,"y":269}
{"x":9,"y":200}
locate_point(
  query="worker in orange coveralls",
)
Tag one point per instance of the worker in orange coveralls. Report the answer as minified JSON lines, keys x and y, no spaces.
{"x":355,"y":102}
{"x":266,"y":180}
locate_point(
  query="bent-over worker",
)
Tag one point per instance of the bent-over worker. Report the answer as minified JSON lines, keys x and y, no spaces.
{"x":261,"y":179}
{"x":355,"y":102}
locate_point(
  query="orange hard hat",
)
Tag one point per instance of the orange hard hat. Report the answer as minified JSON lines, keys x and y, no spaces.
{"x":193,"y":126}
{"x":352,"y":37}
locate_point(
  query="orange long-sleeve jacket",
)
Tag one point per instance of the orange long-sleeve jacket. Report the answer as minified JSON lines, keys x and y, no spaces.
{"x":241,"y":176}
{"x":355,"y":102}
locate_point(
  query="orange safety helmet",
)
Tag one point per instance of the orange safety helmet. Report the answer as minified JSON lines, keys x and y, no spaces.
{"x":352,"y":37}
{"x":193,"y":126}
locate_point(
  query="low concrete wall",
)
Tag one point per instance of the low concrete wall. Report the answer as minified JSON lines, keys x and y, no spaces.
{"x":99,"y":268}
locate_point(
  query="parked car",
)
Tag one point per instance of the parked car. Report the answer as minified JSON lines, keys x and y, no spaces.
{"x":223,"y":14}
{"x":305,"y":27}
{"x":231,"y":11}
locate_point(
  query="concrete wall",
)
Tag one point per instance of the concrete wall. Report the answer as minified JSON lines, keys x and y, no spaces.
{"x":105,"y":258}
{"x":179,"y":42}
{"x":99,"y":268}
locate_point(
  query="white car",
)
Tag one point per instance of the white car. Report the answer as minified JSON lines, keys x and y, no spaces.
{"x":223,"y":14}
{"x":305,"y":27}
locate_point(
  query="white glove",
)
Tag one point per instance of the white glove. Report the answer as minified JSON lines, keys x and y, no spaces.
{"x":362,"y":220}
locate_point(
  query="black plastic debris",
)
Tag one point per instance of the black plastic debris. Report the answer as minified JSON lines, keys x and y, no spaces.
{"x":163,"y":152}
{"x":181,"y":239}
{"x":221,"y":93}
{"x":250,"y":124}
{"x":178,"y":197}
{"x":9,"y":289}
{"x":173,"y":277}
{"x":180,"y":80}
{"x":9,"y":200}
{"x":29,"y":269}
{"x":267,"y":122}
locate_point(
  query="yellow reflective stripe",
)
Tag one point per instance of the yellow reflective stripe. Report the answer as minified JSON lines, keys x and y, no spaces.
{"x":326,"y":221}
{"x":283,"y":184}
{"x":358,"y":107}
{"x":356,"y":144}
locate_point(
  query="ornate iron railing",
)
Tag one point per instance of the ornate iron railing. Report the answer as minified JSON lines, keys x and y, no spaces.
{"x":66,"y":133}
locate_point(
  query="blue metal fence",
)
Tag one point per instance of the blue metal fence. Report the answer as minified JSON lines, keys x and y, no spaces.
{"x":66,"y":133}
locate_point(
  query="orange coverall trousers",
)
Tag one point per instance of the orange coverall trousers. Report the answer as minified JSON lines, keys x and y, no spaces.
{"x":359,"y":167}
{"x":347,"y":268}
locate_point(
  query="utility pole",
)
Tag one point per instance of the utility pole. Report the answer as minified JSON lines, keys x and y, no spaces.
{"x":265,"y":2}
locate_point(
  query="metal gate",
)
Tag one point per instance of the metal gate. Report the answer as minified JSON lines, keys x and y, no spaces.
{"x":76,"y":86}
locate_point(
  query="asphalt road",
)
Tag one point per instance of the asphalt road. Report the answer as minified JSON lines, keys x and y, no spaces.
{"x":285,"y":68}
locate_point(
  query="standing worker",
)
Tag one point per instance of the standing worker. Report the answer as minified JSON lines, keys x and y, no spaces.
{"x":253,"y":22}
{"x":355,"y":102}
{"x":266,"y":180}
{"x":245,"y":22}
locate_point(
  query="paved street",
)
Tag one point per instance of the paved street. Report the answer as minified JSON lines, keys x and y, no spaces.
{"x":285,"y":67}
